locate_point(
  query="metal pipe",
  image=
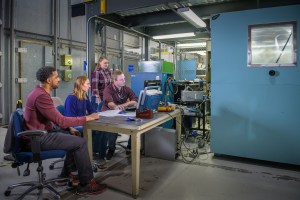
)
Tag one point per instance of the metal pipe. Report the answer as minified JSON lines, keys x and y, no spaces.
{"x":12,"y":97}
{"x":141,"y":43}
{"x":159,"y":47}
{"x":55,"y":32}
{"x":55,"y":36}
{"x":122,"y":50}
{"x":124,"y":27}
{"x":20,"y":70}
{"x":2,"y":117}
{"x":174,"y":60}
{"x":87,"y":44}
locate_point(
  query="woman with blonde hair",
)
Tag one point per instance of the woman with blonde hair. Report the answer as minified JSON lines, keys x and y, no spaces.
{"x":78,"y":104}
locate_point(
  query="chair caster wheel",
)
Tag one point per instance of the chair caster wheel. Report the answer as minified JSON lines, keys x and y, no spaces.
{"x":51,"y":167}
{"x":26,"y":172}
{"x":7,"y":193}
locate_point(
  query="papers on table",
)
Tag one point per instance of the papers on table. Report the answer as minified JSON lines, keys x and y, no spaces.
{"x":114,"y":113}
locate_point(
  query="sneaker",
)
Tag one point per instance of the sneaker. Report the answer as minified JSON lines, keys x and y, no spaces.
{"x":92,"y":188}
{"x":75,"y":182}
{"x":62,"y":182}
{"x":74,"y":179}
{"x":109,"y":154}
{"x":74,"y":175}
{"x":71,"y":181}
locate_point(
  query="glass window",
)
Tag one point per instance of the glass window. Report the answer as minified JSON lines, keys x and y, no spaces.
{"x":272,"y":44}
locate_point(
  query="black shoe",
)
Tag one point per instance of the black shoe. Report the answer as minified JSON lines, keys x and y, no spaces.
{"x":109,"y":154}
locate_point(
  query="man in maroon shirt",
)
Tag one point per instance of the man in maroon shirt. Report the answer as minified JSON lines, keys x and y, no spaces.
{"x":40,"y":113}
{"x":117,"y":96}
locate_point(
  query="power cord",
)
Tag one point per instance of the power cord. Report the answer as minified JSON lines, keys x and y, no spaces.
{"x":192,"y":153}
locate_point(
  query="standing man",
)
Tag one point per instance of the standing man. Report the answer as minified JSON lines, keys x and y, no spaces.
{"x":117,"y":96}
{"x":40,"y":113}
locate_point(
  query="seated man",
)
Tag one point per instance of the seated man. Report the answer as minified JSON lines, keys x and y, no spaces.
{"x":40,"y":113}
{"x":117,"y":96}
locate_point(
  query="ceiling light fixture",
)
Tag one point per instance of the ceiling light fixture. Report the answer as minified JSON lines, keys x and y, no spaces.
{"x":179,"y":35}
{"x":187,"y":45}
{"x":202,"y":53}
{"x":191,"y":17}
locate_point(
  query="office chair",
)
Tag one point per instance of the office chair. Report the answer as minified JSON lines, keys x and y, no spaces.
{"x":13,"y":139}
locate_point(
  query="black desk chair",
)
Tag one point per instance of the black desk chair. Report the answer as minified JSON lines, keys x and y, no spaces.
{"x":13,"y":145}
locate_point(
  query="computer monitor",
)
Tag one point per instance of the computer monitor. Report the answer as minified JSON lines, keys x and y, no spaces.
{"x":149,"y":98}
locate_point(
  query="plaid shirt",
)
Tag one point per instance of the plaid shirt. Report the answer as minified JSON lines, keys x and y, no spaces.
{"x":100,"y":79}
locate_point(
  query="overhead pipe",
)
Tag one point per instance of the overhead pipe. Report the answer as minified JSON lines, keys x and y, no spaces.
{"x":55,"y":46}
{"x":11,"y":75}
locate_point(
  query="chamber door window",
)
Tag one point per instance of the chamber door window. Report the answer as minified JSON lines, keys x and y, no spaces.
{"x":272,"y":44}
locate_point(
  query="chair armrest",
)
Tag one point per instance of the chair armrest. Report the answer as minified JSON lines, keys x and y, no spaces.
{"x":35,"y":138}
{"x":32,"y":133}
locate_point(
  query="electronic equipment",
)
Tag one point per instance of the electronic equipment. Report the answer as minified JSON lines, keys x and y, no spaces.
{"x":185,"y":85}
{"x":148,"y":83}
{"x":192,"y":96}
{"x":149,"y":98}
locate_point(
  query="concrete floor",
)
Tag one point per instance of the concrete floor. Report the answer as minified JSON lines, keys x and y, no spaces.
{"x":207,"y":178}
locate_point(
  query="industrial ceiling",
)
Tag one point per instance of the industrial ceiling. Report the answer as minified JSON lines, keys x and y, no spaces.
{"x":158,"y":17}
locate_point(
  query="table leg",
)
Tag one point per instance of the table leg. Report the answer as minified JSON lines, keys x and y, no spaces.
{"x":135,"y":163}
{"x":87,"y":134}
{"x":178,"y":129}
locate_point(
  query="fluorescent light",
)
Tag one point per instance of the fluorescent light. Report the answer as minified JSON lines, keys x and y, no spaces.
{"x":191,"y":17}
{"x":187,"y":45}
{"x":202,"y":53}
{"x":179,"y":35}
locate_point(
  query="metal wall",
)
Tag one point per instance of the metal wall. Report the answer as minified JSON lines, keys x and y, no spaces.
{"x":1,"y":62}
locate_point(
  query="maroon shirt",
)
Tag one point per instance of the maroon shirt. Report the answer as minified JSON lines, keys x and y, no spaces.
{"x":40,"y":113}
{"x":113,"y":94}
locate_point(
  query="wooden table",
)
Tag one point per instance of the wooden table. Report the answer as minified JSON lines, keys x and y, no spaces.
{"x":119,"y":124}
